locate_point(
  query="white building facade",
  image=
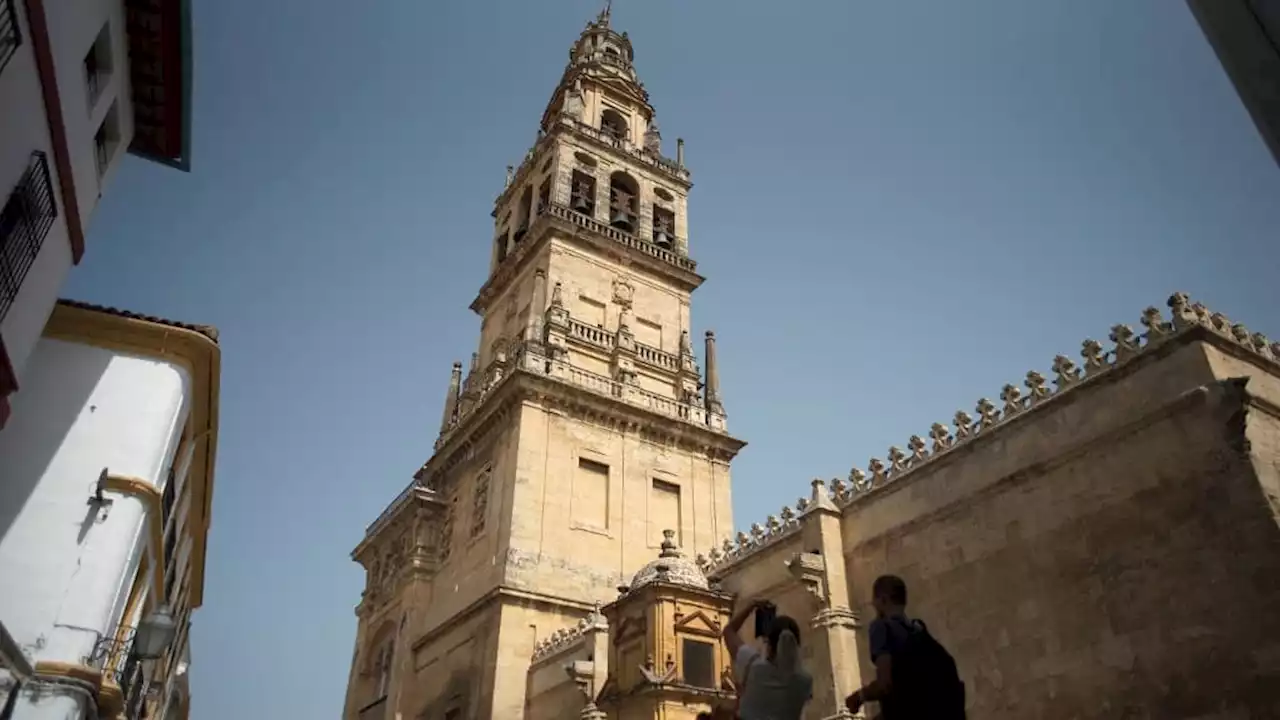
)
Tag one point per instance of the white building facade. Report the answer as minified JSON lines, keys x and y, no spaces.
{"x":82,"y":82}
{"x":106,"y":478}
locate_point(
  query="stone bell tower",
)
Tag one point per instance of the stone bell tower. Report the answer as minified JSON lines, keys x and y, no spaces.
{"x":582,"y":427}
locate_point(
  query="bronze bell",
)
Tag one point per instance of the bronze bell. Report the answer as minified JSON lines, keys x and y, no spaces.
{"x":581,"y":204}
{"x":621,"y":219}
{"x":662,"y":239}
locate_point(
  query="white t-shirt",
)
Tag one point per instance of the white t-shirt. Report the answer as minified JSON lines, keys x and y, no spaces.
{"x":766,"y":692}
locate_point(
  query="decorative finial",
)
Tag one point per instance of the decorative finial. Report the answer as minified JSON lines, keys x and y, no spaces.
{"x":680,"y":152}
{"x":669,"y":547}
{"x":603,"y":18}
{"x":711,"y":389}
{"x":451,"y":398}
{"x":511,"y":173}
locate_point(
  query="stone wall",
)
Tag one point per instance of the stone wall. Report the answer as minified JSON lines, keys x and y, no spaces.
{"x":1102,"y":546}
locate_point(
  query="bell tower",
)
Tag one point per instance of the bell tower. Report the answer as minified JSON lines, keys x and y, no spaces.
{"x":583,"y":427}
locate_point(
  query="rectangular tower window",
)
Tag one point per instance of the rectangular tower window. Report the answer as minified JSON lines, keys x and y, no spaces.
{"x":589,"y":503}
{"x":664,"y":511}
{"x":446,"y":529}
{"x":698,"y":661}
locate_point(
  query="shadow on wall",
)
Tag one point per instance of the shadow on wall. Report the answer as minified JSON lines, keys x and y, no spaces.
{"x":58,"y":386}
{"x":453,"y":700}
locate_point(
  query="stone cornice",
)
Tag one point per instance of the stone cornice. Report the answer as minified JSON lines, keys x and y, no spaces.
{"x":521,"y":385}
{"x":501,"y":592}
{"x":413,"y":497}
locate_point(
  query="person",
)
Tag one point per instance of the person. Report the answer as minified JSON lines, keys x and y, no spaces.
{"x":773,"y":686}
{"x":915,"y":676}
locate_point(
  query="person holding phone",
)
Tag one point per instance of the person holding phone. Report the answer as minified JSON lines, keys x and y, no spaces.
{"x":772,"y":686}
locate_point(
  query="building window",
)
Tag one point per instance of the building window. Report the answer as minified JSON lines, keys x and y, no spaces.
{"x":613,"y":125}
{"x":480,"y":502}
{"x":523,"y":211}
{"x":544,"y":195}
{"x":97,"y":65}
{"x":589,"y":503}
{"x":10,"y":34}
{"x":664,"y":227}
{"x":583,"y":193}
{"x":623,"y":201}
{"x":28,"y":214}
{"x":107,"y":139}
{"x":664,"y":512}
{"x":698,"y":660}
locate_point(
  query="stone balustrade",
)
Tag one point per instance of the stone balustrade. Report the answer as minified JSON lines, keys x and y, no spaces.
{"x":605,"y":340}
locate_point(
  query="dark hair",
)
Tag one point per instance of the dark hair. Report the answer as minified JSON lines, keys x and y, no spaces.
{"x":780,"y":623}
{"x":890,"y":587}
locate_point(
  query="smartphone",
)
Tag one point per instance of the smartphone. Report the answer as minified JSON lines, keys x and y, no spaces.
{"x":764,"y":618}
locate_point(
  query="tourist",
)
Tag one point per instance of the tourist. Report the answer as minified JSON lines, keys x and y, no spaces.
{"x":772,"y":686}
{"x":915,"y":676}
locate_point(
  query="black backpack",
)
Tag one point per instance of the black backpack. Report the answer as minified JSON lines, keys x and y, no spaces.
{"x":926,"y":685}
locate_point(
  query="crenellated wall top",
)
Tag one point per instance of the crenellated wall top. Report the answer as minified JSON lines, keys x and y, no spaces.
{"x":989,"y":416}
{"x":570,"y":637}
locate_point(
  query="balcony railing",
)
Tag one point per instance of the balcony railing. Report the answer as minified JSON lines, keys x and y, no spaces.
{"x":28,"y":214}
{"x":620,"y":237}
{"x":114,"y":656}
{"x":10,"y":33}
{"x":605,"y":340}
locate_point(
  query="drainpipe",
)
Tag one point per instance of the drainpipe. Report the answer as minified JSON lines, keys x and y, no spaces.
{"x":152,"y":502}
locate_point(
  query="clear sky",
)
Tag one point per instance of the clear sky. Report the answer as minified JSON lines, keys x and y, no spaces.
{"x":899,"y":207}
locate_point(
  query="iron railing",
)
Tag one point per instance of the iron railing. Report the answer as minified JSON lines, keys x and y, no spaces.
{"x":114,"y":656}
{"x":25,"y":221}
{"x":10,"y":33}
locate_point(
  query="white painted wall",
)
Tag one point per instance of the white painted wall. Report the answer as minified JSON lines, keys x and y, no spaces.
{"x":65,"y":569}
{"x":73,"y":26}
{"x":24,"y":128}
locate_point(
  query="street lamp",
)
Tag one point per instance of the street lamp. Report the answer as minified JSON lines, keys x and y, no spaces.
{"x":154,"y":634}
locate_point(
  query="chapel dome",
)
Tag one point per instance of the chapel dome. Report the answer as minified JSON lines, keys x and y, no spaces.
{"x":670,"y":567}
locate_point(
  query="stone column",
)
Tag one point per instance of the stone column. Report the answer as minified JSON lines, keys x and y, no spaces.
{"x":837,"y":667}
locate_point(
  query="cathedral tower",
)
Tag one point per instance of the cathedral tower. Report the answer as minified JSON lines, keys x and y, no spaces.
{"x":583,"y":426}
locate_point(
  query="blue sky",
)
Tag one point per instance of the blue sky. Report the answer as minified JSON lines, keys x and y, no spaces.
{"x":899,"y":207}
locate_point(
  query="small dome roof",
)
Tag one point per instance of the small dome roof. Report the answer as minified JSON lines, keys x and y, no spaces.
{"x":670,"y":567}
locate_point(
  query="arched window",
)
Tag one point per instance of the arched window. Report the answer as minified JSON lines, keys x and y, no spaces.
{"x":583,"y":193}
{"x":523,"y":210}
{"x":664,"y":227}
{"x":624,"y":201}
{"x":614,"y":125}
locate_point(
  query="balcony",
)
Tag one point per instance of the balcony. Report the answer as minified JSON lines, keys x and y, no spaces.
{"x":25,"y":221}
{"x":10,"y":34}
{"x":605,"y":340}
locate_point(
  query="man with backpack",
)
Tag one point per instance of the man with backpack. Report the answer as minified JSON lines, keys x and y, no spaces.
{"x":916,"y":677}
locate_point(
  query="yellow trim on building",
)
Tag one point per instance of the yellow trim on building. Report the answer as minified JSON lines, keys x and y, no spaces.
{"x":200,"y":356}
